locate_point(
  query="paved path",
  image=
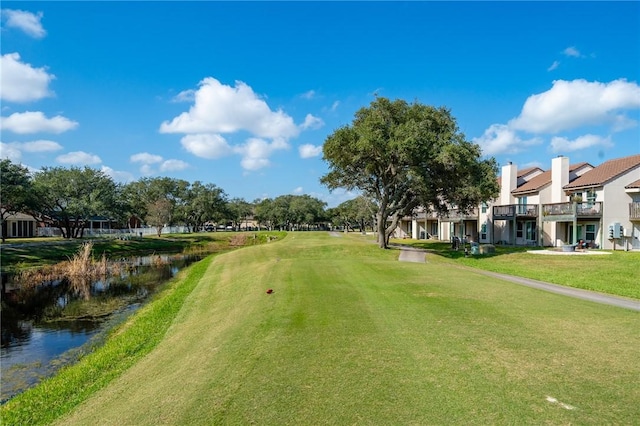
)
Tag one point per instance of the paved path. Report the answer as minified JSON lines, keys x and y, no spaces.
{"x":577,"y":293}
{"x":412,"y":255}
{"x":408,"y":254}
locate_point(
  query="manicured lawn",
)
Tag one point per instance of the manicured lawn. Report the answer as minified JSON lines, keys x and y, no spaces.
{"x":617,"y":273}
{"x":352,"y":336}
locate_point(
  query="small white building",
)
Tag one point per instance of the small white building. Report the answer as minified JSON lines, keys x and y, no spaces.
{"x":19,"y":225}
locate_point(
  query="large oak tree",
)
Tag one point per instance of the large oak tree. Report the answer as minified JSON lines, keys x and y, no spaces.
{"x":69,"y":198}
{"x":406,"y":155}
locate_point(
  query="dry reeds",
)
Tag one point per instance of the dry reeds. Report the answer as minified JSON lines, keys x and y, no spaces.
{"x":80,"y":271}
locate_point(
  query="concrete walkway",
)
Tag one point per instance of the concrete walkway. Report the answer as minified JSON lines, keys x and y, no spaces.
{"x":408,"y":254}
{"x":577,"y":293}
{"x":412,"y":255}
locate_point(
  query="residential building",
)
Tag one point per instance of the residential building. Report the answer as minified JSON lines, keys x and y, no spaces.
{"x":561,"y":206}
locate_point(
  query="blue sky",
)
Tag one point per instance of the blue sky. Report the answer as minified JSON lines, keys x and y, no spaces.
{"x":243,"y":94}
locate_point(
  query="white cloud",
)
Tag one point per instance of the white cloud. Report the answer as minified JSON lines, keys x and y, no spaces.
{"x":206,"y":145}
{"x":308,"y":95}
{"x":40,"y":146}
{"x":118,"y":176}
{"x":335,"y":106}
{"x":34,"y":122}
{"x":147,"y":170}
{"x":224,"y":109}
{"x":560,"y":144}
{"x":309,"y":151}
{"x":25,"y":21}
{"x":571,"y":104}
{"x":20,"y":82}
{"x":500,"y":138}
{"x":298,"y":191}
{"x":173,"y":166}
{"x":256,"y":152}
{"x":78,"y":157}
{"x":311,"y":122}
{"x":185,"y":96}
{"x":10,"y":151}
{"x":554,"y":66}
{"x":572,"y":51}
{"x":622,"y":122}
{"x":14,"y":150}
{"x":145,"y":158}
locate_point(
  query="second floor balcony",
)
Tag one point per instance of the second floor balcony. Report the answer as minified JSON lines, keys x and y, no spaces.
{"x":567,"y":211}
{"x":457,"y":215}
{"x":512,"y":211}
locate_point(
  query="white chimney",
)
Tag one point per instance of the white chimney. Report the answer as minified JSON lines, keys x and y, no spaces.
{"x":509,"y":182}
{"x":559,"y":178}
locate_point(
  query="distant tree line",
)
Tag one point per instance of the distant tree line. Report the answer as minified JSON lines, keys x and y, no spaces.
{"x":69,"y":198}
{"x":399,"y":155}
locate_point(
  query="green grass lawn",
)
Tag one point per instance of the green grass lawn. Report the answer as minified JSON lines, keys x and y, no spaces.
{"x":617,"y":273}
{"x":352,"y":336}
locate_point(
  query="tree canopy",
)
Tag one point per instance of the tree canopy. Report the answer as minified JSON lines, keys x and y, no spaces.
{"x":405,"y":155}
{"x":358,"y":211}
{"x":69,"y":198}
{"x":290,"y":212}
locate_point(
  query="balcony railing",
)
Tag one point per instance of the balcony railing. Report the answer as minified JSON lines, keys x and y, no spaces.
{"x":589,"y":209}
{"x":566,"y":209}
{"x":515,"y":210}
{"x":634,"y":211}
{"x":458,"y":215}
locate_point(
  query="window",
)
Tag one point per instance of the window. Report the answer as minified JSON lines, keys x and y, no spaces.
{"x":483,"y":231}
{"x":522,"y":205}
{"x":530,"y":231}
{"x":519,"y":229}
{"x":590,"y":232}
{"x":484,"y":207}
{"x":591,"y":198}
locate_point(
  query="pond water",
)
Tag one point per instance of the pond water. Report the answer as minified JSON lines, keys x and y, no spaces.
{"x":52,"y":324}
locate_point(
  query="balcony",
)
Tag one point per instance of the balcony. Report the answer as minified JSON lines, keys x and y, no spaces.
{"x":634,"y":211}
{"x":565,"y":211}
{"x":458,"y":216}
{"x":512,"y":211}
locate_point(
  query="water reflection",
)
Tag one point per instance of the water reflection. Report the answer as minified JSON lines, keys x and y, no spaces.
{"x":44,"y":326}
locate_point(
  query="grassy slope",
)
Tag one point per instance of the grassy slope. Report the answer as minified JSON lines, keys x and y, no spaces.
{"x":350,"y":335}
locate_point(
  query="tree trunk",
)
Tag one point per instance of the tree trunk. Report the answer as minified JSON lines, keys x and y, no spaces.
{"x":381,"y":222}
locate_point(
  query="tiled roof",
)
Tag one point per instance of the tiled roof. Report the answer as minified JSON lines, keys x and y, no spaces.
{"x":535,"y":184}
{"x":635,"y":184}
{"x":522,"y":173}
{"x":527,"y":171}
{"x":542,"y":180}
{"x":605,"y":172}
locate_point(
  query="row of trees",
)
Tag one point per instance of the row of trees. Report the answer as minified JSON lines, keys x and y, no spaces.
{"x":398,"y":155}
{"x":68,"y":198}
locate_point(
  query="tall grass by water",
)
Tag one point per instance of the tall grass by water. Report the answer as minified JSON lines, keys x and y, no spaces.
{"x":350,"y":335}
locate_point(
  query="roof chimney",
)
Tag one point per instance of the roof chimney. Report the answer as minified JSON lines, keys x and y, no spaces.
{"x":559,"y":178}
{"x":509,"y":182}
